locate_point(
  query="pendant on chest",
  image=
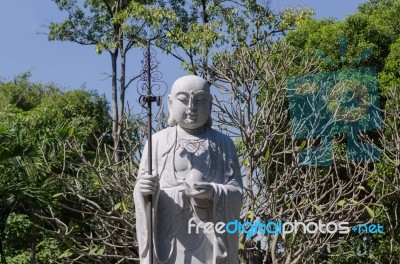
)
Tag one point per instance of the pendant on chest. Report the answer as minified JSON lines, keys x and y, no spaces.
{"x":193,"y":160}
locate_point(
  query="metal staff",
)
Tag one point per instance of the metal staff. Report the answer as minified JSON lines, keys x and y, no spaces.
{"x":146,"y":101}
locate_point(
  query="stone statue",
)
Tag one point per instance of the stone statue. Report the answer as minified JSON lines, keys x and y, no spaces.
{"x":196,"y":178}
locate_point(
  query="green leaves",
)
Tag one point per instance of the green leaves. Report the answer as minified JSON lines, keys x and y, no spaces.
{"x":318,"y":208}
{"x":251,"y":215}
{"x":36,"y":123}
{"x":303,"y":145}
{"x":292,"y":17}
{"x":97,"y":250}
{"x":121,"y":206}
{"x":360,"y":187}
{"x":106,"y":24}
{"x":370,"y":211}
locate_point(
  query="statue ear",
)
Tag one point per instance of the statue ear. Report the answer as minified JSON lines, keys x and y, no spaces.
{"x":171,"y":119}
{"x":169,"y":103}
{"x":209,"y":120}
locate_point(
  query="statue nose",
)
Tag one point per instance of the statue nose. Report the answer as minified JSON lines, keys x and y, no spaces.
{"x":191,"y":105}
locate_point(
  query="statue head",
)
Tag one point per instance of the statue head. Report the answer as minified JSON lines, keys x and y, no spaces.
{"x":189,"y":103}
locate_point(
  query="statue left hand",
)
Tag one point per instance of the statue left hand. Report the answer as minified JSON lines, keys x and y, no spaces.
{"x":201,"y":190}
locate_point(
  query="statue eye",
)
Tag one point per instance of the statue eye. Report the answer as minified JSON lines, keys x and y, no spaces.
{"x":182,"y":97}
{"x":201,"y":98}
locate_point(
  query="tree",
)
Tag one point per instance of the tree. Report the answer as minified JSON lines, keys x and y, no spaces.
{"x":57,"y":177}
{"x":373,"y":27}
{"x":23,"y":189}
{"x":115,"y":26}
{"x":202,"y":28}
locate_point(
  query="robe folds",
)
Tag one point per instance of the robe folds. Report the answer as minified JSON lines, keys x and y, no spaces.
{"x":172,"y":209}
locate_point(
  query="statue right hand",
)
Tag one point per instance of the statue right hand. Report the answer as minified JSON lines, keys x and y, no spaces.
{"x":148,"y":184}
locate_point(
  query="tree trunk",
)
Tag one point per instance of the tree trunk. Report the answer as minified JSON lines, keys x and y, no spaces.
{"x":33,"y":236}
{"x":204,"y":70}
{"x":114,"y":98}
{"x":122,"y":94}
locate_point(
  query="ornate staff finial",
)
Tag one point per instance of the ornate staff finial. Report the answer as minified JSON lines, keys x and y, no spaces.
{"x":150,"y":78}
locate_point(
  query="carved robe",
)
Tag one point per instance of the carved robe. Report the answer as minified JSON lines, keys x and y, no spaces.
{"x":214,"y":158}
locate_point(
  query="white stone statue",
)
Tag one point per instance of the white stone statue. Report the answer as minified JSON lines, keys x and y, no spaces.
{"x":196,"y":177}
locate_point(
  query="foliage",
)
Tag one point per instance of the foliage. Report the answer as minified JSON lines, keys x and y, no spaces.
{"x":58,"y":197}
{"x":17,"y":236}
{"x":374,"y":27}
{"x":202,"y":28}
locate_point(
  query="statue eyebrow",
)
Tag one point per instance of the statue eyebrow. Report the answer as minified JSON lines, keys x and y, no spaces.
{"x":193,"y":93}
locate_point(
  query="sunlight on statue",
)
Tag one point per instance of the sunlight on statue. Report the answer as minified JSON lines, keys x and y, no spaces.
{"x":196,"y":174}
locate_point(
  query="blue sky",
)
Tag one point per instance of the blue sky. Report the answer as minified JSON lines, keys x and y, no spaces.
{"x":70,"y":65}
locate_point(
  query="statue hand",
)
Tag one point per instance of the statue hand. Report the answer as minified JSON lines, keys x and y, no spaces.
{"x":148,"y":184}
{"x":201,"y":190}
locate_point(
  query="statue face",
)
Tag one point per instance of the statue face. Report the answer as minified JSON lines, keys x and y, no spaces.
{"x":190,"y":102}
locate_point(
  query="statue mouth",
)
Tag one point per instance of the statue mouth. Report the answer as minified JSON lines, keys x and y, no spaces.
{"x":190,"y":118}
